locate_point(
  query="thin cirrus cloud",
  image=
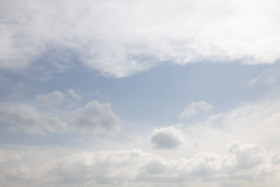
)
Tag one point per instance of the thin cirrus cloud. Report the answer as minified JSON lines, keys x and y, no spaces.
{"x":120,"y":38}
{"x":74,"y":95}
{"x":93,"y":118}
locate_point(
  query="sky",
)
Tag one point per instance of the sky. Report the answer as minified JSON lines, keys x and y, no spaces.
{"x":140,"y":93}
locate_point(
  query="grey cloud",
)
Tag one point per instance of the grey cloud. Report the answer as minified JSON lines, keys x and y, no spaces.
{"x":29,"y":120}
{"x":95,"y":118}
{"x":247,"y":156}
{"x":55,"y":97}
{"x":167,"y":138}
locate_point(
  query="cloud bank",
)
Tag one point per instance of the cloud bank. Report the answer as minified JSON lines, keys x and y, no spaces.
{"x":120,"y":38}
{"x":242,"y":164}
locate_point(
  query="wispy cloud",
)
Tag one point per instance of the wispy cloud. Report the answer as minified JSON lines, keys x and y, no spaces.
{"x":195,"y":108}
{"x":122,"y":38}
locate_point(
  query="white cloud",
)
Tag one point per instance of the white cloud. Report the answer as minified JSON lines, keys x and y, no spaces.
{"x":248,"y":119}
{"x":95,"y":118}
{"x":243,"y":164}
{"x":122,"y":38}
{"x":167,"y":137}
{"x":246,"y":156}
{"x":250,"y":122}
{"x":195,"y":108}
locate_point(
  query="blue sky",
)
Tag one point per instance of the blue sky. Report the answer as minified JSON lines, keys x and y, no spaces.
{"x":139,"y":93}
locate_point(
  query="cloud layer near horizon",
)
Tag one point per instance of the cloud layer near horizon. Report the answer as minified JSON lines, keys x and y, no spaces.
{"x":242,"y":164}
{"x":120,"y":38}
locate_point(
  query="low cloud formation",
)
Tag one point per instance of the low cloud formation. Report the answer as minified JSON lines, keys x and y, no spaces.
{"x":194,"y":109}
{"x":135,"y":36}
{"x":55,"y":97}
{"x":242,"y":165}
{"x":29,"y":120}
{"x":167,"y":138}
{"x":93,"y":118}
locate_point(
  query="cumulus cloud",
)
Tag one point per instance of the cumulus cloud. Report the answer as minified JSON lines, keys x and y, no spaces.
{"x":122,"y":38}
{"x":246,"y":156}
{"x":167,"y":138}
{"x":55,"y":97}
{"x":28,"y":119}
{"x":243,"y":164}
{"x":195,"y":108}
{"x":94,"y":118}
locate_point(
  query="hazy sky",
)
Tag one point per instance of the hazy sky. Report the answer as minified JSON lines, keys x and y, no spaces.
{"x":140,"y":93}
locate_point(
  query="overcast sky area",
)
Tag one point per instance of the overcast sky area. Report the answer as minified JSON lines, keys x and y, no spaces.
{"x":140,"y":93}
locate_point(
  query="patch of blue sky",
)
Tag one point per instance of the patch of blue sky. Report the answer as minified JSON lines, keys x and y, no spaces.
{"x":156,"y":96}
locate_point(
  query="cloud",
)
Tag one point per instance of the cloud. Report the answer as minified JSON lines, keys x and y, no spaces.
{"x":246,"y":156}
{"x":56,"y":97}
{"x":120,"y":38}
{"x":27,"y":119}
{"x":240,"y":124}
{"x":74,"y":95}
{"x":243,"y":164}
{"x":248,"y":119}
{"x":195,"y":108}
{"x":167,"y":138}
{"x":268,"y":76}
{"x":95,"y":118}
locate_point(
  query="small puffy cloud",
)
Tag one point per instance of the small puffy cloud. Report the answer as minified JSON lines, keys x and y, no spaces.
{"x":95,"y":118}
{"x":55,"y":97}
{"x":167,"y":138}
{"x":74,"y":95}
{"x":195,"y":108}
